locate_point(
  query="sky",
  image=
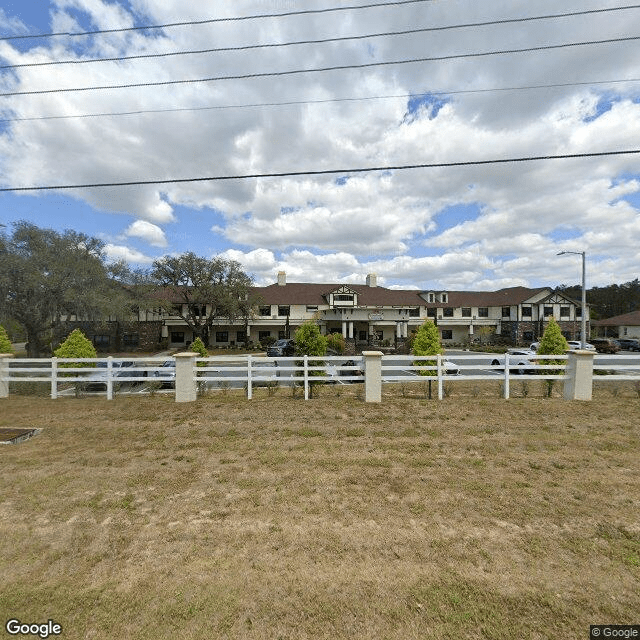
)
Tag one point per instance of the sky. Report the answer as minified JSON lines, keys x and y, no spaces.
{"x":476,"y":99}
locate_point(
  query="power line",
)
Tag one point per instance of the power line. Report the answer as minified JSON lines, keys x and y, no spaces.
{"x":215,"y":20}
{"x":289,"y":174}
{"x":270,"y":74}
{"x":442,"y":92}
{"x":467,"y":25}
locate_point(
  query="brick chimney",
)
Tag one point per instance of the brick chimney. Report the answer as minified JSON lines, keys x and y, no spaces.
{"x":372,"y":280}
{"x":282,"y":278}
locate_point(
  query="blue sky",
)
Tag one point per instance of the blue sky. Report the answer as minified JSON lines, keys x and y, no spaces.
{"x":473,"y":227}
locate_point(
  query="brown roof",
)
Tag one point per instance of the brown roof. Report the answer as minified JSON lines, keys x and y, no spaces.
{"x":312,"y":294}
{"x":629,"y":319}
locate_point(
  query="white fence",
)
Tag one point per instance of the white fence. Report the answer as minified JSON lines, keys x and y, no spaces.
{"x":186,"y":374}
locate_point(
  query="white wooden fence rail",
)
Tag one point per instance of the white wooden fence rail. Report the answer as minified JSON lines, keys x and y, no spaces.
{"x":145,"y":375}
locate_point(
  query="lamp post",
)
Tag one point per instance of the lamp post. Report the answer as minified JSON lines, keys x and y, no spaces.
{"x":583,"y":328}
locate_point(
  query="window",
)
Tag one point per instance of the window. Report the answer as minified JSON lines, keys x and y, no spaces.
{"x":548,"y":311}
{"x":466,"y":312}
{"x":527,"y":312}
{"x":131,"y":339}
{"x":198,"y":310}
{"x":176,"y":310}
{"x":414,"y":313}
{"x":483,"y":312}
{"x":265,"y":310}
{"x":222,"y":336}
{"x":447,"y":334}
{"x":263,"y":334}
{"x":241,"y":336}
{"x":447,"y":312}
{"x":506,"y":312}
{"x":564,"y":312}
{"x":432,"y":297}
{"x":343,"y":297}
{"x":284,"y":310}
{"x":431,"y":313}
{"x":312,"y":308}
{"x":444,"y":297}
{"x":362,"y":335}
{"x":101,"y":341}
{"x":177,"y":336}
{"x":578,"y":312}
{"x":282,"y":334}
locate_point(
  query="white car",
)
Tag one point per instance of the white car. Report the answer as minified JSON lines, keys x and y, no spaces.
{"x":520,"y":361}
{"x":576,"y":344}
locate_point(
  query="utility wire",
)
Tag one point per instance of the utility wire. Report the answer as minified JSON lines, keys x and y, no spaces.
{"x":270,"y":74}
{"x":214,"y":20}
{"x":324,"y":101}
{"x":322,"y":40}
{"x":288,"y":174}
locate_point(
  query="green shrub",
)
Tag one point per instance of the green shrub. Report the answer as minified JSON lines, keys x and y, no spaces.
{"x":427,"y":343}
{"x":77,"y":345}
{"x":5,"y":343}
{"x":336,"y":342}
{"x":310,"y":342}
{"x":552,"y":343}
{"x":197,"y":346}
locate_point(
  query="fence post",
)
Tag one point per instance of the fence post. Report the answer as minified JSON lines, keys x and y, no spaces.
{"x":507,"y":373}
{"x":54,"y":378}
{"x":4,"y":374}
{"x":249,"y":378}
{"x":305,"y":362}
{"x":439,"y":372}
{"x":186,"y":388}
{"x":110,"y":378}
{"x":578,"y":383}
{"x":372,"y":376}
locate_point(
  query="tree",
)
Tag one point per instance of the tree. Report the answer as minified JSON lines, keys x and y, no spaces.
{"x":204,"y":290}
{"x":5,"y":343}
{"x":46,"y":275}
{"x":427,"y":343}
{"x":552,"y":343}
{"x":77,"y":345}
{"x":310,"y":342}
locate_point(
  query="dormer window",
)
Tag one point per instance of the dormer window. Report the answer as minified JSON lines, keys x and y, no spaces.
{"x":431,"y":297}
{"x":444,"y":297}
{"x":343,"y":297}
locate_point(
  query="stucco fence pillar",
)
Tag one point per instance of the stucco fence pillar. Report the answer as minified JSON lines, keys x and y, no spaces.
{"x":578,"y":384}
{"x":186,"y":388}
{"x":4,"y":374}
{"x":372,"y":376}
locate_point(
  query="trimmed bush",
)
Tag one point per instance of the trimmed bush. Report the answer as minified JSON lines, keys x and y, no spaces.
{"x":427,"y":343}
{"x":77,"y":345}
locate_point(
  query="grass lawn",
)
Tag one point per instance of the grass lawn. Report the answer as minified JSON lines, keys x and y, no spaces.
{"x":279,"y":518}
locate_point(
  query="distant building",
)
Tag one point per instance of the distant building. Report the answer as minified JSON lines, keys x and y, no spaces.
{"x":365,"y":314}
{"x":624,"y":326}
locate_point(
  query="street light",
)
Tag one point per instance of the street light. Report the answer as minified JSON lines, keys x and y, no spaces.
{"x":583,"y":328}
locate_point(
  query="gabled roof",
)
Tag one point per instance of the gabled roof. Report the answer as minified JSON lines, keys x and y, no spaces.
{"x":501,"y":298}
{"x":629,"y":319}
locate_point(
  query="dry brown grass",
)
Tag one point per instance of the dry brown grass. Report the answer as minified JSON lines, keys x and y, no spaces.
{"x":280,"y":518}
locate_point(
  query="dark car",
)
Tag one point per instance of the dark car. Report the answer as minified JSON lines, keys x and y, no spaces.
{"x":605,"y":345}
{"x":283,"y":347}
{"x":630,"y":344}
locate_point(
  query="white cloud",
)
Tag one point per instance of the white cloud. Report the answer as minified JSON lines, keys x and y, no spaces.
{"x":121,"y":252}
{"x":148,"y":232}
{"x":323,"y":227}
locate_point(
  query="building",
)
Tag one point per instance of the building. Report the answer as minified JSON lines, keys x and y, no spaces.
{"x":365,"y":314}
{"x":624,"y":326}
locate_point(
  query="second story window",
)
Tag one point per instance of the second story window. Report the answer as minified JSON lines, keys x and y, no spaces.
{"x":284,"y":310}
{"x":526,"y":312}
{"x":466,"y":312}
{"x":264,"y":310}
{"x":506,"y":312}
{"x":483,"y":312}
{"x":414,"y":313}
{"x":343,"y":297}
{"x":447,"y":312}
{"x":564,"y":312}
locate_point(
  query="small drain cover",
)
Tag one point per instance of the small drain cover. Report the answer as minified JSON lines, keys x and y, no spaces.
{"x":13,"y":436}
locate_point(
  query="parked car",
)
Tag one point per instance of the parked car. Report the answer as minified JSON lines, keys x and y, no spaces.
{"x":283,"y":347}
{"x":605,"y":345}
{"x":629,"y":344}
{"x":97,"y":381}
{"x":576,"y":344}
{"x":520,"y":361}
{"x":166,"y":374}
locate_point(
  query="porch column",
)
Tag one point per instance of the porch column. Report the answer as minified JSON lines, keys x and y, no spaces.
{"x":350,"y":331}
{"x":344,"y":329}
